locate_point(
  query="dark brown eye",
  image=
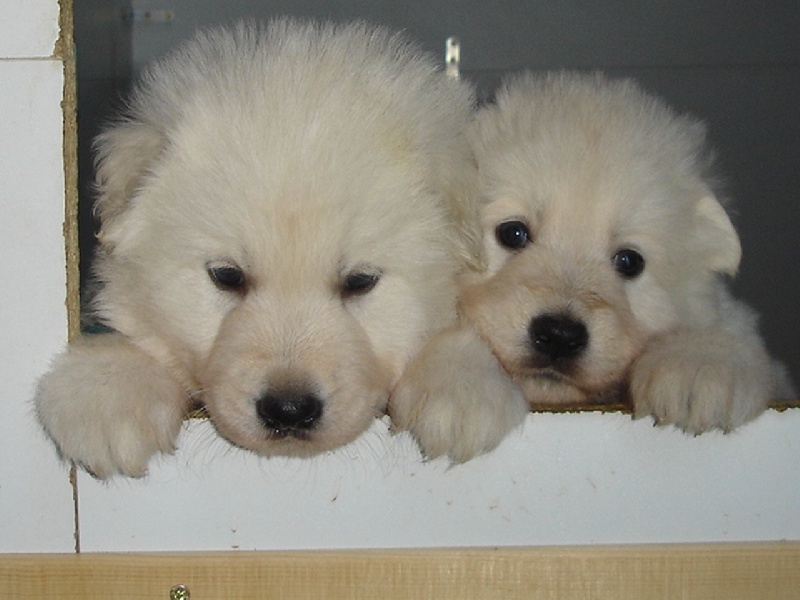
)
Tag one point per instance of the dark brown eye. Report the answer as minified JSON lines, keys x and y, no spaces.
{"x":628,"y":263}
{"x":513,"y":235}
{"x":227,"y":276}
{"x":358,"y":283}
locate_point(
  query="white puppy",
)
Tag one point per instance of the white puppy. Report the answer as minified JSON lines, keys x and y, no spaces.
{"x":282,"y":215}
{"x":608,"y":250}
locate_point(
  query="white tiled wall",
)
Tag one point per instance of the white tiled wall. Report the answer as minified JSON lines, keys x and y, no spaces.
{"x":564,"y":479}
{"x":35,"y":496}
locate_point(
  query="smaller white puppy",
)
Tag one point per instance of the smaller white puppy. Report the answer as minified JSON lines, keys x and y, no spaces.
{"x":608,"y":250}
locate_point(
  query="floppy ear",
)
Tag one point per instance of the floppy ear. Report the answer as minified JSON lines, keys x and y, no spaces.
{"x":717,"y":236}
{"x":124,"y":153}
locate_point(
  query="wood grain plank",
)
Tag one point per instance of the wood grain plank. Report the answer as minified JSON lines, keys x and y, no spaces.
{"x":761,"y":571}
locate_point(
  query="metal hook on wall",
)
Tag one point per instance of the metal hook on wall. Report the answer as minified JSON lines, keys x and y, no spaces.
{"x":452,"y":57}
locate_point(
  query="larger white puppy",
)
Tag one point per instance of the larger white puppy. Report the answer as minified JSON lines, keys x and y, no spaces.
{"x":608,"y":250}
{"x":282,"y":216}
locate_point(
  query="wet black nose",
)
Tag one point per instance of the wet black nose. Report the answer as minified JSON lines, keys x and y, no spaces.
{"x":289,"y":411}
{"x":558,"y":336}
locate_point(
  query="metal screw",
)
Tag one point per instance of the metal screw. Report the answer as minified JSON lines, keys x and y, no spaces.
{"x":179,"y":592}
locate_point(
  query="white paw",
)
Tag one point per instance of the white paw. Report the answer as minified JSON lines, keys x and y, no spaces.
{"x":455,"y":399}
{"x":109,"y":407}
{"x":701,"y":380}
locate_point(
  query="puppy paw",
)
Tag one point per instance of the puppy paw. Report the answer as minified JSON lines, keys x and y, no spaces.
{"x":455,"y":399}
{"x":701,"y":380}
{"x":109,"y":407}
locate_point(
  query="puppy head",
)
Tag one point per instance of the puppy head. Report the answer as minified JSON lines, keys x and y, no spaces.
{"x":601,"y":229}
{"x":277,"y":224}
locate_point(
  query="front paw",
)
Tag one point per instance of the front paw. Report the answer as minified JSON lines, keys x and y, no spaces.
{"x":109,"y":407}
{"x":701,"y":380}
{"x":455,"y":399}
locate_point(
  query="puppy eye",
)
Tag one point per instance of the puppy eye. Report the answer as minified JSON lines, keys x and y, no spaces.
{"x":359,"y":283}
{"x":628,"y":263}
{"x":514,"y":235}
{"x":226,"y":276}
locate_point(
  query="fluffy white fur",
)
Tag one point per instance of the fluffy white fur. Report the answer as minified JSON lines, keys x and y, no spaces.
{"x":587,"y":170}
{"x":284,"y":209}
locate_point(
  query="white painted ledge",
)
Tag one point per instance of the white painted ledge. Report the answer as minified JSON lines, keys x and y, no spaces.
{"x":564,"y":479}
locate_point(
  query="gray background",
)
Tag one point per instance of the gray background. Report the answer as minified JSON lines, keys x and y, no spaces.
{"x":735,"y":65}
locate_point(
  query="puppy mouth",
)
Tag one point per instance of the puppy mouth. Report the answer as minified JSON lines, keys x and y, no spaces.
{"x":280,"y":434}
{"x":561,"y":373}
{"x":569,"y":374}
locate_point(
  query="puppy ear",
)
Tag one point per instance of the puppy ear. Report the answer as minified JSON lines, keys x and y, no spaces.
{"x":123,"y":154}
{"x":717,"y":236}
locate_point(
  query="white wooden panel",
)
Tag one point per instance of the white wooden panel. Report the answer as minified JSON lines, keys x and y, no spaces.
{"x":28,"y":28}
{"x":564,"y":479}
{"x":35,"y":496}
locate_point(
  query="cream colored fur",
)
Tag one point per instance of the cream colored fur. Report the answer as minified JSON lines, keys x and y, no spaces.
{"x":299,"y":154}
{"x":592,"y":166}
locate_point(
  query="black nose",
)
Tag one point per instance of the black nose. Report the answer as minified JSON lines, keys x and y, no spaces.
{"x":289,"y":411}
{"x":558,"y":336}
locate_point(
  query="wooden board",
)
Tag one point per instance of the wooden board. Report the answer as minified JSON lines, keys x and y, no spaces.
{"x":708,"y":572}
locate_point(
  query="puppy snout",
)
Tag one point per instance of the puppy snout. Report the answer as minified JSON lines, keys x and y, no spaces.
{"x":558,"y":336}
{"x":288,"y":412}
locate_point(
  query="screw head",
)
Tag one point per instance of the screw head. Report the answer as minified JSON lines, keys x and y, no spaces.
{"x":179,"y":592}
